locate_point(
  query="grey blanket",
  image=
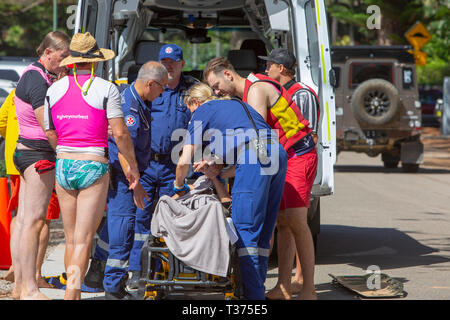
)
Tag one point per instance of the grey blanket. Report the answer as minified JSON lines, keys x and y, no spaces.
{"x":194,"y":229}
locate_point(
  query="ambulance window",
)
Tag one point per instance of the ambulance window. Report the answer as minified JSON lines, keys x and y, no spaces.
{"x":91,"y":16}
{"x":196,"y":56}
{"x":313,"y":43}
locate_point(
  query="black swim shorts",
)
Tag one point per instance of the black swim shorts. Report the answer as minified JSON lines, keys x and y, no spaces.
{"x":24,"y":158}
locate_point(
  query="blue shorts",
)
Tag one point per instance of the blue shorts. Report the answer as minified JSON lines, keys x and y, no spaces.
{"x":78,"y":174}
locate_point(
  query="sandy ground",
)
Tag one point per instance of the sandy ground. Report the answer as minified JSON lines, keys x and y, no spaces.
{"x":437,"y":155}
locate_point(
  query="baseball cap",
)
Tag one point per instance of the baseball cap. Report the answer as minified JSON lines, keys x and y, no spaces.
{"x":281,"y":56}
{"x":171,"y":51}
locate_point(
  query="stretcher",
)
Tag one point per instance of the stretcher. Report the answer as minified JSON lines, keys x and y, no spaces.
{"x":163,"y":274}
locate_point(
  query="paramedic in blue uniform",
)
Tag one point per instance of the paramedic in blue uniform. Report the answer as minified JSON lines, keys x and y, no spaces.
{"x":168,"y":113}
{"x":123,"y":215}
{"x":259,"y":181}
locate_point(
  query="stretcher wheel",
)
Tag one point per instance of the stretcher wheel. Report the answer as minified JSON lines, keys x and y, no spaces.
{"x":154,"y":295}
{"x":230,"y":296}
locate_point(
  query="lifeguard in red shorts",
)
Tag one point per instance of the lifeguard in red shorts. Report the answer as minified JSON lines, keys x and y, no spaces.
{"x":292,"y":221}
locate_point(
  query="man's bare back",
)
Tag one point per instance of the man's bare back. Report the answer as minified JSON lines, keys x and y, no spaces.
{"x":261,"y":96}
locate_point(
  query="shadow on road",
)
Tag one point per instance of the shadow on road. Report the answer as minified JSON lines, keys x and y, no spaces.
{"x":331,"y":291}
{"x":381,"y":169}
{"x":387,"y":248}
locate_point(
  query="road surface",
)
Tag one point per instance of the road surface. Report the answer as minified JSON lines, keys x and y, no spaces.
{"x":399,"y":222}
{"x":384,"y":217}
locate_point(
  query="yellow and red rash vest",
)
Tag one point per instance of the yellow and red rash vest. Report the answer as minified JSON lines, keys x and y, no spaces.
{"x":284,"y":115}
{"x":301,"y":86}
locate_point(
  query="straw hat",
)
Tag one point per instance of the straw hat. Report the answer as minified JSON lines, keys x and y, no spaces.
{"x":83,"y":48}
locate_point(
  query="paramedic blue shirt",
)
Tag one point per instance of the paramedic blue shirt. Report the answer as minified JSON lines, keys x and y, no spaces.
{"x":226,"y":119}
{"x":138,"y":121}
{"x":169,"y":113}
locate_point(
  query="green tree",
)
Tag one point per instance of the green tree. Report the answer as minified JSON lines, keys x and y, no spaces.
{"x":438,"y":49}
{"x":348,"y":27}
{"x":24,"y":23}
{"x":396,"y":17}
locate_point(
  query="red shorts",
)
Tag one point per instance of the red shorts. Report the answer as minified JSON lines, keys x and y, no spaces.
{"x":53,"y":206}
{"x":300,"y":175}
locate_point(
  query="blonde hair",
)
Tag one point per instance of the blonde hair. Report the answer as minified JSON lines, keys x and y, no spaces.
{"x":202,"y":93}
{"x":56,"y":40}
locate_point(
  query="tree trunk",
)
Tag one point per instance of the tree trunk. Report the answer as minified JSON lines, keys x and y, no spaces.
{"x":351,"y":26}
{"x":388,"y":28}
{"x":352,"y":35}
{"x":334,"y":27}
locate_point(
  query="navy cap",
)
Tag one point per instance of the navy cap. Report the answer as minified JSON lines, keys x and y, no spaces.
{"x":281,"y":56}
{"x":171,"y":51}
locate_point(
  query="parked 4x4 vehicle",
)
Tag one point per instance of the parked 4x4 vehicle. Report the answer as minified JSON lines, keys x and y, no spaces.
{"x":377,"y":104}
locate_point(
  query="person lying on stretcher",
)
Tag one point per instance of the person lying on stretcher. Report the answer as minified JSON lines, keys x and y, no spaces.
{"x":196,"y":225}
{"x":215,"y":173}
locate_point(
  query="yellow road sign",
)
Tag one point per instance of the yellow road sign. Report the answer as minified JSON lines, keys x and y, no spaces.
{"x":418,"y":35}
{"x":420,"y":57}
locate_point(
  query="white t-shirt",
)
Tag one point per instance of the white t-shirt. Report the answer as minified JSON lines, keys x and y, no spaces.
{"x":99,"y":90}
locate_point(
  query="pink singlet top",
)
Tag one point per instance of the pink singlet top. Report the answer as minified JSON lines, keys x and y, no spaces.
{"x":29,"y":127}
{"x":76,"y":122}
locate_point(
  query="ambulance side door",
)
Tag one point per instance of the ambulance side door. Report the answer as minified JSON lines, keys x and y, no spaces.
{"x":94,"y":16}
{"x":313,"y":52}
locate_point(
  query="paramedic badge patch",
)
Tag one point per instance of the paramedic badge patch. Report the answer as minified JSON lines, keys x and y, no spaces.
{"x":169,"y":50}
{"x":130,"y":120}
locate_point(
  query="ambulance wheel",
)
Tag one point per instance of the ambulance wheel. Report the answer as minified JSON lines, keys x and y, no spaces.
{"x":230,"y":296}
{"x":154,"y":295}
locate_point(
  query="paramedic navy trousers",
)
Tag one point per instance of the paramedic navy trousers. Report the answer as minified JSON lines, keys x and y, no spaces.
{"x":158,"y":176}
{"x":256,"y":201}
{"x":157,"y":180}
{"x":123,"y":223}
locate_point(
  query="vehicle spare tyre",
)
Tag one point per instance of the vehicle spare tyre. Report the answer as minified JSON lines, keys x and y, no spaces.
{"x":375,"y":102}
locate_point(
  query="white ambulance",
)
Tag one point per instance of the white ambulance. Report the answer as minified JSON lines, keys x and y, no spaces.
{"x":238,"y":29}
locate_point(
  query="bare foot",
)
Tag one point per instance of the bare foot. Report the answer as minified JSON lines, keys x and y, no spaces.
{"x":310,"y":295}
{"x":296,"y":287}
{"x":9,"y":276}
{"x":15,"y":293}
{"x":278,"y":293}
{"x":37,"y":296}
{"x":72,"y":294}
{"x":42,"y":283}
